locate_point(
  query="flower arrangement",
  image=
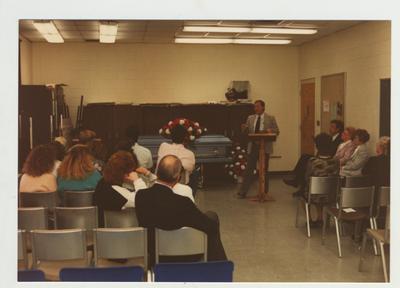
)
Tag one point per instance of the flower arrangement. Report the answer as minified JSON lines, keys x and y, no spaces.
{"x":193,"y":128}
{"x":239,"y":162}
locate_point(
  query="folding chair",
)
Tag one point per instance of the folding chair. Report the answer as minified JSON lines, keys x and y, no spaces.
{"x":64,"y":248}
{"x":382,"y":236}
{"x":322,"y":187}
{"x":31,"y":276}
{"x":180,"y":242}
{"x":120,"y":219}
{"x":30,"y":219}
{"x":103,"y":274}
{"x":360,"y":199}
{"x":22,"y":252}
{"x":78,"y":198}
{"x":120,"y":243}
{"x":218,"y":271}
{"x":356,"y":181}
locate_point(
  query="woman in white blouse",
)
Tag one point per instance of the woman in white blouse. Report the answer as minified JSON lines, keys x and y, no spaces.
{"x":346,"y":149}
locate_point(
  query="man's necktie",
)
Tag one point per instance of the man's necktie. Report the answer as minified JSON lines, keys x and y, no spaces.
{"x":258,"y":125}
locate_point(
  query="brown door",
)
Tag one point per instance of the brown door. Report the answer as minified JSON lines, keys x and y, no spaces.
{"x":332,"y":99}
{"x":307,"y":116}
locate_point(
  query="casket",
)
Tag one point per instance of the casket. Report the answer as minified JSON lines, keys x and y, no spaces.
{"x":207,"y":149}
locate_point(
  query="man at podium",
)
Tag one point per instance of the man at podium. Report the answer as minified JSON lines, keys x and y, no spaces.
{"x":260,"y":122}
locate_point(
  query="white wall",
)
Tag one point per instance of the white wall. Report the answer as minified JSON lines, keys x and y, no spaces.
{"x":26,"y":61}
{"x":148,"y":73}
{"x":363,"y":53}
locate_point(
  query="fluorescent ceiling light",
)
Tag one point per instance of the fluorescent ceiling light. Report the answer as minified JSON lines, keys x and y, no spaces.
{"x":204,"y":40}
{"x":49,"y":31}
{"x":222,"y":29}
{"x":231,"y":41}
{"x":216,"y":29}
{"x":108,"y":32}
{"x":262,"y":41}
{"x":283,"y":31}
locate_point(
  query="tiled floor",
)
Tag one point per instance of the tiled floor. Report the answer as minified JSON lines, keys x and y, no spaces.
{"x":265,"y":245}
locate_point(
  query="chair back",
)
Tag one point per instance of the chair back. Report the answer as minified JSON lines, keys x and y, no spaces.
{"x":22,"y":254}
{"x":218,"y":271}
{"x":383,"y":199}
{"x":33,"y":218}
{"x":31,"y":276}
{"x":118,"y":243}
{"x":184,"y":241}
{"x":52,"y":245}
{"x":362,"y":197}
{"x":103,"y":274}
{"x":120,"y":219}
{"x":387,"y":224}
{"x":78,"y":198}
{"x":328,"y":186}
{"x":76,"y":218}
{"x":38,"y":199}
{"x":357,"y":181}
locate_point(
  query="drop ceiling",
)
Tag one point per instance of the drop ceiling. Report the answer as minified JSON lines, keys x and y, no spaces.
{"x":165,"y":31}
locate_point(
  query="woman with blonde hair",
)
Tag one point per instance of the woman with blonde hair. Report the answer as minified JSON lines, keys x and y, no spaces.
{"x":76,"y":171}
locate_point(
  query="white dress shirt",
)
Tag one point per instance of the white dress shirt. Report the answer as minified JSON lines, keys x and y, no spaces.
{"x":261,"y":122}
{"x":143,"y":155}
{"x":130,"y":195}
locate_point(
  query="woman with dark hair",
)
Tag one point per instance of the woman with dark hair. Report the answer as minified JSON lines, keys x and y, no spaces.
{"x":38,"y":169}
{"x":76,"y":171}
{"x":110,"y":193}
{"x":357,"y":161}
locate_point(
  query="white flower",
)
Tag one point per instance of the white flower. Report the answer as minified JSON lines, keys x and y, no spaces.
{"x":243,"y":151}
{"x":199,"y":131}
{"x":254,"y":171}
{"x":231,"y":165}
{"x":170,"y":123}
{"x":181,"y":121}
{"x":160,"y":131}
{"x":190,"y":129}
{"x":192,"y":137}
{"x":235,"y":176}
{"x":196,"y":124}
{"x":233,"y":152}
{"x":226,"y":165}
{"x":237,"y":163}
{"x":238,"y":148}
{"x":205,"y":129}
{"x":242,"y":167}
{"x":230,"y":173}
{"x":167,"y":131}
{"x":240,"y":156}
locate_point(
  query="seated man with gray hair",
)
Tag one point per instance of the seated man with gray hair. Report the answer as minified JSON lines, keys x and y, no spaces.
{"x":160,"y":207}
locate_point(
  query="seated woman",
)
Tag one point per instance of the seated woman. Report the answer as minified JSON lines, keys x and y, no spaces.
{"x":357,"y":161}
{"x":37,"y":171}
{"x":96,"y":147}
{"x":110,"y":193}
{"x":346,"y":149}
{"x":76,"y":171}
{"x":378,"y":167}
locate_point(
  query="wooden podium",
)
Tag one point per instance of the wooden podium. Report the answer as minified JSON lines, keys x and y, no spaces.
{"x":262,"y":138}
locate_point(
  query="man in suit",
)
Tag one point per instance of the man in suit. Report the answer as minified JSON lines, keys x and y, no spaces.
{"x":336,"y":128}
{"x":160,"y":207}
{"x":258,"y":122}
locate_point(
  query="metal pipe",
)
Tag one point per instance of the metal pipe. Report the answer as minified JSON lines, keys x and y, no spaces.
{"x":61,"y":125}
{"x":51,"y":128}
{"x":30,"y":133}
